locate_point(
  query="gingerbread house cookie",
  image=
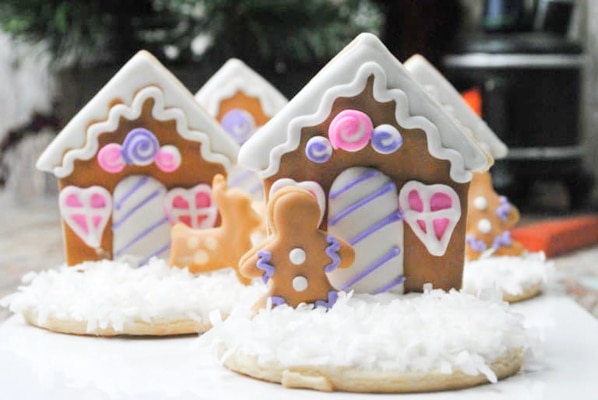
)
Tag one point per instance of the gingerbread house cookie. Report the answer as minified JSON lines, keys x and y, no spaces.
{"x":495,"y":259}
{"x":393,"y":164}
{"x":139,"y":157}
{"x":242,"y":101}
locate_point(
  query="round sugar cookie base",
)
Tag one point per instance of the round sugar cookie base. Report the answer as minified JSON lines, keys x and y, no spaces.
{"x":108,"y":298}
{"x":155,"y":327}
{"x":387,"y":343}
{"x":324,"y":378}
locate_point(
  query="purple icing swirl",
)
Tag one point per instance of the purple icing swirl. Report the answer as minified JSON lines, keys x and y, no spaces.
{"x":239,"y":124}
{"x":140,"y":147}
{"x":318,"y":149}
{"x":386,"y":139}
{"x":263,"y":261}
{"x":332,"y":252}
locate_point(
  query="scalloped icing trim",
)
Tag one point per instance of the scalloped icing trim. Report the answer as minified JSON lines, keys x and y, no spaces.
{"x":159,"y":112}
{"x":382,"y":94}
{"x":441,"y":90}
{"x":233,"y":77}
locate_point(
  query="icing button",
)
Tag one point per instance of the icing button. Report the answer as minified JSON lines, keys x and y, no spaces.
{"x":480,"y":203}
{"x":211,"y":243}
{"x":484,"y":226}
{"x":192,"y":242}
{"x":297,"y":256}
{"x":201,"y":257}
{"x":300,"y":283}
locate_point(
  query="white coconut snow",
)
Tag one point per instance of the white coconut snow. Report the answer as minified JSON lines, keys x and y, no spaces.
{"x":110,"y":293}
{"x":509,"y":274}
{"x":434,"y":331}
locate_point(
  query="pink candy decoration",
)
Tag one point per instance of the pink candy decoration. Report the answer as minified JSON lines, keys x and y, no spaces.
{"x":350,"y":130}
{"x":168,"y":158}
{"x":110,"y":158}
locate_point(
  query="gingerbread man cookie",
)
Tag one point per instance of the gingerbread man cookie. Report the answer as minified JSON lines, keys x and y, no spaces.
{"x":204,"y":250}
{"x":490,"y":217}
{"x":295,"y":258}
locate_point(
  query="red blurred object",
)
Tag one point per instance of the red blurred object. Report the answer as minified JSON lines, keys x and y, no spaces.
{"x":559,"y":236}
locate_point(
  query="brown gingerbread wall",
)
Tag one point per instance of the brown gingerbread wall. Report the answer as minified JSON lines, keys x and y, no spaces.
{"x":411,"y":162}
{"x":192,"y":171}
{"x":248,"y":103}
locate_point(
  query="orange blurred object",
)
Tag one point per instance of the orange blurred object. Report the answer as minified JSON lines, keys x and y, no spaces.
{"x":559,"y":236}
{"x":473,"y":97}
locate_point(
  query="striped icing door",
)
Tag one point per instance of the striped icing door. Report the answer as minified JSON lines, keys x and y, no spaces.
{"x":363,"y":210}
{"x":139,"y":222}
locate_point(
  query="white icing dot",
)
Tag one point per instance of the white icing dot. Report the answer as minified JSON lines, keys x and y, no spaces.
{"x":484,"y":226}
{"x":201,"y":257}
{"x":299,"y":283}
{"x":192,"y":242}
{"x":480,"y":203}
{"x":211,"y":243}
{"x":297,"y":256}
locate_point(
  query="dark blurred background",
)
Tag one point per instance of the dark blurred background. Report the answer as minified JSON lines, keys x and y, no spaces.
{"x":56,"y":54}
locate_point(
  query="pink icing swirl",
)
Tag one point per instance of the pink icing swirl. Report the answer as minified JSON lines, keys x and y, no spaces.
{"x":168,"y":158}
{"x":350,"y":130}
{"x":110,"y":158}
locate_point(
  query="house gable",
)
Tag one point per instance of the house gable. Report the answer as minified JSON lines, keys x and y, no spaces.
{"x":442,"y":91}
{"x":123,"y":95}
{"x":345,"y":76}
{"x":234,"y":77}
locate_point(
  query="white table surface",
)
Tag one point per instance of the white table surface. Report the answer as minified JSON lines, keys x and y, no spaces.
{"x":35,"y":364}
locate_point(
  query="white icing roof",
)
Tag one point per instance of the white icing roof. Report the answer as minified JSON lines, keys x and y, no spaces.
{"x":442,"y":90}
{"x":141,"y":71}
{"x":345,"y":75}
{"x":236,"y":76}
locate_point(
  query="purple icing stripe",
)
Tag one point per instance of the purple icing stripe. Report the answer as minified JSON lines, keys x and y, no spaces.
{"x":395,"y":282}
{"x":360,"y":203}
{"x":353,"y":183}
{"x":133,"y":210}
{"x":394,"y":252}
{"x":332,"y":253}
{"x":264,"y":258}
{"x":395,"y":216}
{"x":156,"y":253}
{"x":141,"y":235}
{"x":332,"y":297}
{"x":131,"y":192}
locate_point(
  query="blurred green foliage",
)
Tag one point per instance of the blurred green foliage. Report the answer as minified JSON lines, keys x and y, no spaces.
{"x":259,"y":31}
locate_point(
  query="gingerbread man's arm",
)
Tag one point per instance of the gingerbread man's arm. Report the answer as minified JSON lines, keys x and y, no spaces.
{"x":340,"y":252}
{"x":346,"y":253}
{"x":248,"y":263}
